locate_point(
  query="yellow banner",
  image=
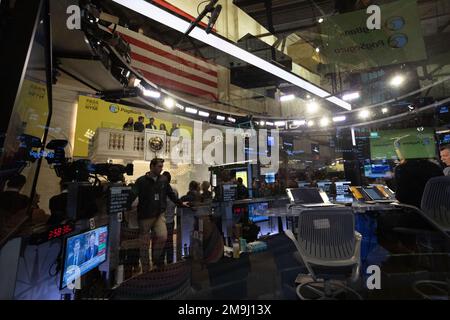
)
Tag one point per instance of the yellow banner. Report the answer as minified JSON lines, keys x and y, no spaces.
{"x":95,"y":113}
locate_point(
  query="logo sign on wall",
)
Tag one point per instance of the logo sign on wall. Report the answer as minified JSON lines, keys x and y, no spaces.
{"x":348,"y":42}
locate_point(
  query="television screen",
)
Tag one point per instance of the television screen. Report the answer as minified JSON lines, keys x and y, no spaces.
{"x":377,"y":171}
{"x":83,"y":252}
{"x":270,"y":178}
{"x":255,"y":209}
{"x":411,"y":143}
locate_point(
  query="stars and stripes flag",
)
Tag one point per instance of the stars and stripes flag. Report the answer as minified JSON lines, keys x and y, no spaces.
{"x":171,"y":69}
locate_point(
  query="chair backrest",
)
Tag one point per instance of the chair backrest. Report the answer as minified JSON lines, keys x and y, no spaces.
{"x":327,"y":233}
{"x":436,"y":200}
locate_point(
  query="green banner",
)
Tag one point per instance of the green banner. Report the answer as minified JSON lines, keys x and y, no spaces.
{"x":350,"y":45}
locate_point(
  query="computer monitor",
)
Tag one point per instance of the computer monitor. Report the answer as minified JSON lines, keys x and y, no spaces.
{"x":373,"y":194}
{"x":304,"y":195}
{"x":255,"y":209}
{"x":82,"y":253}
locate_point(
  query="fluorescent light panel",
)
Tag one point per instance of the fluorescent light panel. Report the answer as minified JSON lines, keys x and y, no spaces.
{"x":280,"y":123}
{"x":191,"y":110}
{"x":339,"y":119}
{"x":221,"y":118}
{"x":155,"y":13}
{"x":203,"y":114}
{"x":288,"y":97}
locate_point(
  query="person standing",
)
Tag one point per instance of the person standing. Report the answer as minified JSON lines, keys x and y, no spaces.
{"x":445,"y":158}
{"x":153,"y":189}
{"x":139,"y":125}
{"x":170,"y":222}
{"x":129,"y":125}
{"x":151,"y":124}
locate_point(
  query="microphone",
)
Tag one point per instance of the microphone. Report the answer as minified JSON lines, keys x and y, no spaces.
{"x":213,"y":18}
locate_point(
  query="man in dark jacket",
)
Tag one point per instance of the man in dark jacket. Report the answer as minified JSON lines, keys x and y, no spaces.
{"x":153,"y":189}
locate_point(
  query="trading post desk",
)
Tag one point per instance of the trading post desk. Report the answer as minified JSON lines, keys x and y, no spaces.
{"x":388,"y":242}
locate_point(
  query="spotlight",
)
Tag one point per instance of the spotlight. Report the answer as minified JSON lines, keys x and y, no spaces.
{"x":203,"y":114}
{"x":397,"y":81}
{"x":231,"y":119}
{"x":385,"y":110}
{"x":191,"y":110}
{"x":151,"y":93}
{"x":317,"y":49}
{"x":221,"y":118}
{"x":288,"y":97}
{"x":324,"y":122}
{"x":299,"y":122}
{"x":320,"y":20}
{"x":351,"y":96}
{"x":262,"y":123}
{"x":137,"y":82}
{"x":269,"y":123}
{"x":311,"y":123}
{"x":179,"y":106}
{"x":312,"y":107}
{"x":364,"y":114}
{"x":339,"y":119}
{"x":280,"y":123}
{"x":169,"y":102}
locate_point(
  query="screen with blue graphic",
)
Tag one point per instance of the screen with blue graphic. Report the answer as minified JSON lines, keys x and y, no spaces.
{"x":255,"y":209}
{"x":83,"y":252}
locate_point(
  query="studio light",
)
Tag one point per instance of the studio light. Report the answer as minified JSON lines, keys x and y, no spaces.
{"x":280,"y":123}
{"x":169,"y":102}
{"x":351,"y":96}
{"x":339,"y":119}
{"x":324,"y":122}
{"x":269,"y":123}
{"x":385,"y":110}
{"x":299,"y":122}
{"x":262,"y":123}
{"x":364,"y":114}
{"x":312,"y":107}
{"x":151,"y":93}
{"x":397,"y":81}
{"x":191,"y":110}
{"x":221,"y":118}
{"x":288,"y":97}
{"x":231,"y":119}
{"x":311,"y":123}
{"x":203,"y":114}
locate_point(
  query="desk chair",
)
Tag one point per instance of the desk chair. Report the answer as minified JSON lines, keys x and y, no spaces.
{"x":435,"y":208}
{"x":327,"y":239}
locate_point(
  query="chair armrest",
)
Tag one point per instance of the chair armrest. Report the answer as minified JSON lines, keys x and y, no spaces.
{"x":423,"y":215}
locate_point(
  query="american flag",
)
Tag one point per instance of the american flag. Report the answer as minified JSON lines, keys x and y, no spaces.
{"x":171,"y":69}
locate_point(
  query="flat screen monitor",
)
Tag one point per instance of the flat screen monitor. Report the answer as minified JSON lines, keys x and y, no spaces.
{"x":255,"y":209}
{"x":412,"y":143}
{"x":373,"y":194}
{"x":82,"y":253}
{"x":270,"y":178}
{"x":305,"y":195}
{"x":377,"y":171}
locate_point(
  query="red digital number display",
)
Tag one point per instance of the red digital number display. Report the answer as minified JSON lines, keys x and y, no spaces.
{"x":59,"y":231}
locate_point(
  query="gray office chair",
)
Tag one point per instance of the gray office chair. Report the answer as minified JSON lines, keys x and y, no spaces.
{"x":327,"y":238}
{"x":435,"y":205}
{"x":435,"y":208}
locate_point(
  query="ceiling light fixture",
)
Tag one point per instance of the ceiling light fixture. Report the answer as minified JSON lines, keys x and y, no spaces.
{"x":170,"y":20}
